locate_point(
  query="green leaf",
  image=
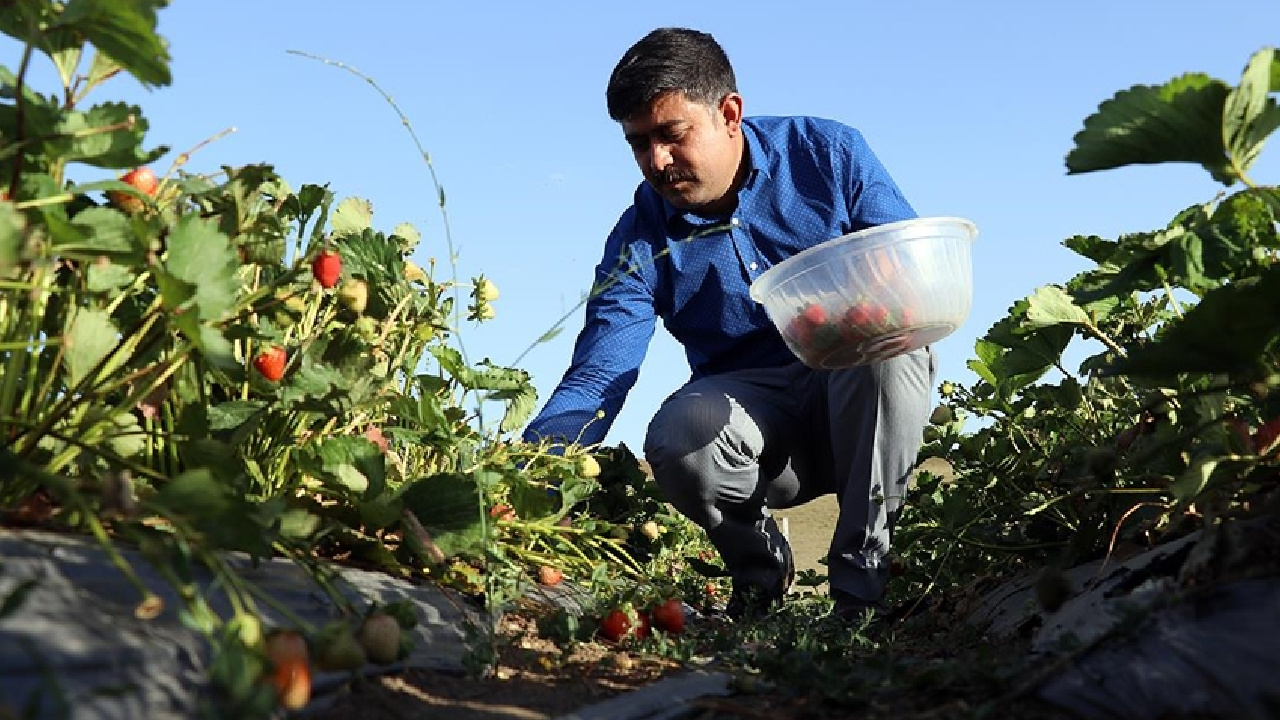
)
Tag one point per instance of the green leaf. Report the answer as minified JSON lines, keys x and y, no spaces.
{"x":103,"y":232}
{"x":1250,"y":114}
{"x":448,"y":506}
{"x":352,"y":216}
{"x":91,"y":336}
{"x":1051,"y":305}
{"x":521,"y":403}
{"x":101,"y":67}
{"x":224,"y":517}
{"x":351,"y":462}
{"x":204,"y":262}
{"x":126,"y":31}
{"x":1229,"y":330}
{"x":106,"y":276}
{"x":408,"y":236}
{"x":234,"y":413}
{"x":1194,"y":480}
{"x":298,"y":524}
{"x":377,"y":260}
{"x":128,"y":438}
{"x":1092,"y":247}
{"x":13,"y":225}
{"x":83,"y":137}
{"x":1180,"y":121}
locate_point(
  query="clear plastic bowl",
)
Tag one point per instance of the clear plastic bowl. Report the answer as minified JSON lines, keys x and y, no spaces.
{"x":873,"y":294}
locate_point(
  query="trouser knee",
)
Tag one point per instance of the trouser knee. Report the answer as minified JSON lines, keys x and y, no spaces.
{"x":697,"y":457}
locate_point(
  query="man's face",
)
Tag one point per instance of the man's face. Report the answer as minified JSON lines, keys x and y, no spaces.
{"x":689,"y":152}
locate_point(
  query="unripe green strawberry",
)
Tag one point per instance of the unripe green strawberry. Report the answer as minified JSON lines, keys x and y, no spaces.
{"x":354,"y":295}
{"x":380,"y":637}
{"x":337,"y":649}
{"x":588,"y":466}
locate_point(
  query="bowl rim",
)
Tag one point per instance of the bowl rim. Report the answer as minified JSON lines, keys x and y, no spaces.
{"x":867,"y":240}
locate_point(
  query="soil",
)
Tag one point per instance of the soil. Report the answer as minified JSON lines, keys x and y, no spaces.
{"x":535,"y":679}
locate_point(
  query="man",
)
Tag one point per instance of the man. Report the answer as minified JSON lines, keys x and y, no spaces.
{"x":725,"y":197}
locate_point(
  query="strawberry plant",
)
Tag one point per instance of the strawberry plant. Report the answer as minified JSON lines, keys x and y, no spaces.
{"x":174,"y":372}
{"x":1154,"y":434}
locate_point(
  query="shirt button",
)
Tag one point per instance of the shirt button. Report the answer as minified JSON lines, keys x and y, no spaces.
{"x":753,"y":266}
{"x":733,"y":221}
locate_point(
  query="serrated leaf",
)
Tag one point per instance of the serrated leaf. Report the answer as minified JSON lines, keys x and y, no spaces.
{"x":1250,"y":115}
{"x":232,"y":414}
{"x":1092,"y":247}
{"x":408,"y":235}
{"x":351,"y":461}
{"x":205,"y":261}
{"x":1180,"y":121}
{"x":91,"y":336}
{"x":228,"y":520}
{"x":1051,"y":305}
{"x":520,"y":406}
{"x":448,"y":506}
{"x":106,"y":276}
{"x":211,"y":341}
{"x":352,"y":216}
{"x":126,"y":31}
{"x":103,"y":232}
{"x":85,"y":138}
{"x":1227,"y":331}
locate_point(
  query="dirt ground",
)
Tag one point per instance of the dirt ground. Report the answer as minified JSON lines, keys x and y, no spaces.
{"x":535,"y":680}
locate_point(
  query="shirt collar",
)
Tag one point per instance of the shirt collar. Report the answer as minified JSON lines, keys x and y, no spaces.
{"x":758,"y":155}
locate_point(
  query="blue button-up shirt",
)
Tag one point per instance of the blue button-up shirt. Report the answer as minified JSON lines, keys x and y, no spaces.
{"x":810,"y":180}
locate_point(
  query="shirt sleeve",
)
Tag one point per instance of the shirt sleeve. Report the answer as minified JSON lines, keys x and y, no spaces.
{"x":874,"y":196}
{"x":619,"y":324}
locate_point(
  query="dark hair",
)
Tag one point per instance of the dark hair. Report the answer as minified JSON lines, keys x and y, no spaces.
{"x":665,"y":60}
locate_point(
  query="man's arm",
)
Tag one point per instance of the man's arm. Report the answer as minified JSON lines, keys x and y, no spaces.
{"x":620,"y":321}
{"x":874,"y":196}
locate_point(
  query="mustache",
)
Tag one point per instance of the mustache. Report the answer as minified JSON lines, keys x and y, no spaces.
{"x":670,"y":175}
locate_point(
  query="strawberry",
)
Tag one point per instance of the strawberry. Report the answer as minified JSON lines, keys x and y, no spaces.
{"x":373,"y":434}
{"x":588,"y":466}
{"x":354,"y":295}
{"x":502,"y":511}
{"x":549,"y":576}
{"x":669,"y":616}
{"x":619,"y":623}
{"x":380,"y":637}
{"x":814,"y":314}
{"x":1264,"y":438}
{"x":864,"y":320}
{"x":338,"y":649}
{"x":651,"y":530}
{"x":327,"y":268}
{"x":270,"y":363}
{"x":290,"y":668}
{"x":142,"y":179}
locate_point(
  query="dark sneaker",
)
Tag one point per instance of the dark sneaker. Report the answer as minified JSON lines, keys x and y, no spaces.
{"x":748,"y":600}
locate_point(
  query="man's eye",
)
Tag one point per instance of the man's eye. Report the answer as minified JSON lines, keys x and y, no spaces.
{"x":638,"y":144}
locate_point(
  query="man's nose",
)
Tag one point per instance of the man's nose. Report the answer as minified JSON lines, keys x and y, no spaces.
{"x":659,"y":157}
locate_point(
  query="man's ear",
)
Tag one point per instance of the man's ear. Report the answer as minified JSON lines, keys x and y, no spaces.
{"x":731,"y":112}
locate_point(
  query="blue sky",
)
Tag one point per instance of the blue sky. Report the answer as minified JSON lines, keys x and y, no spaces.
{"x":971,"y":106}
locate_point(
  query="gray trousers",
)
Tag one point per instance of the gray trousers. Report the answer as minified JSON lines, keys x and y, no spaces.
{"x":728,"y":448}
